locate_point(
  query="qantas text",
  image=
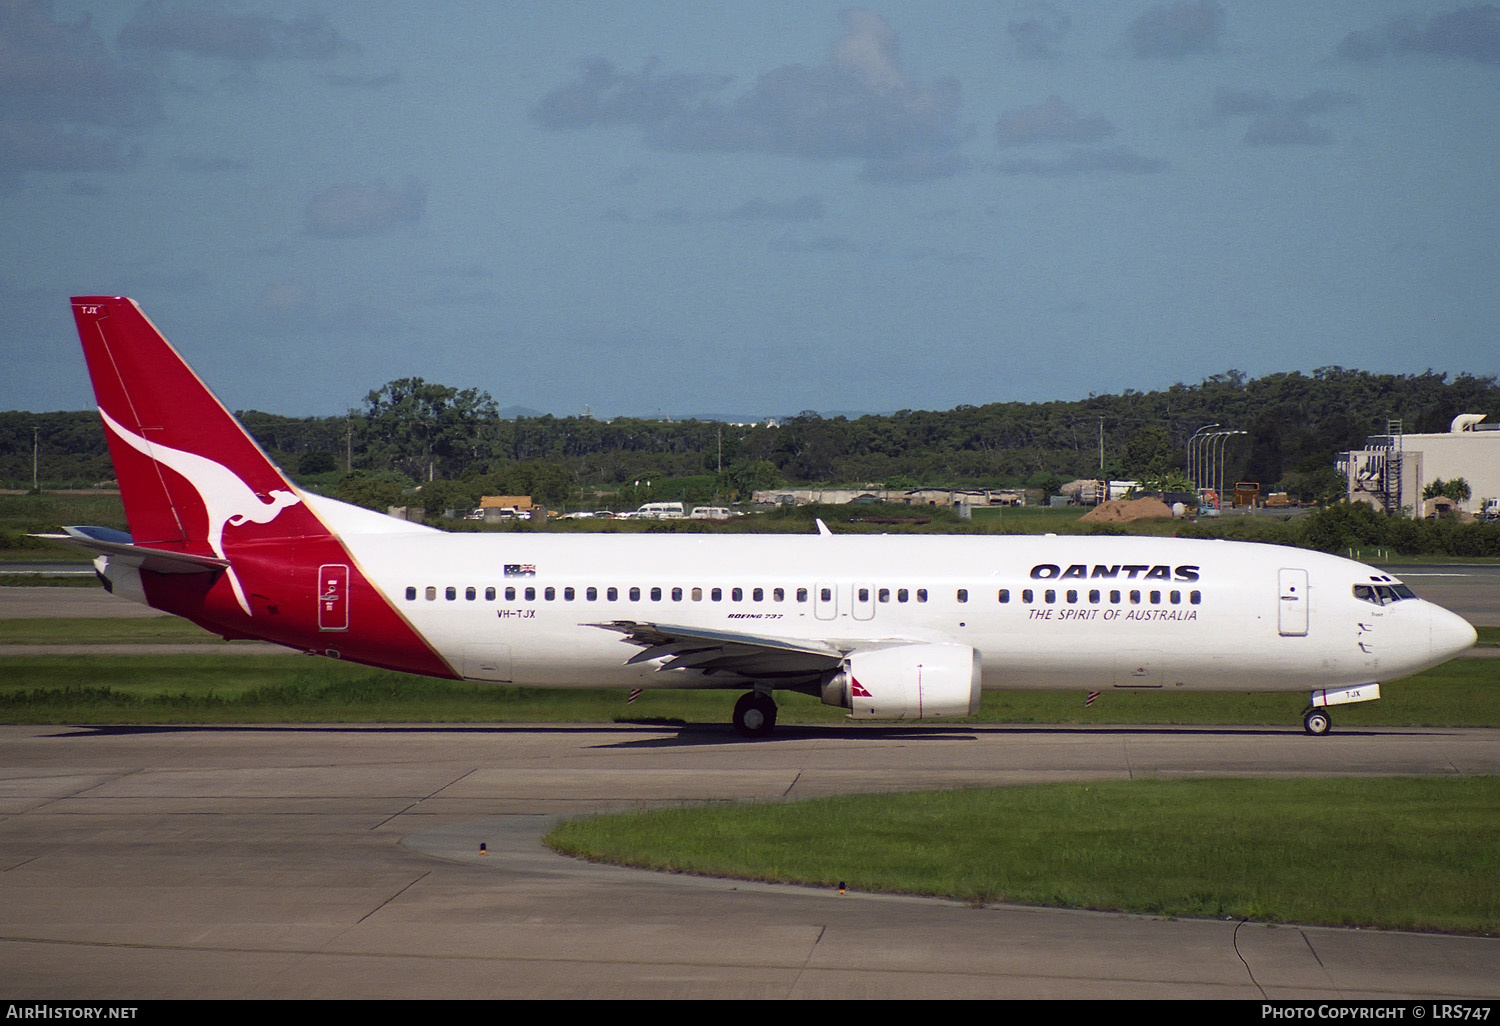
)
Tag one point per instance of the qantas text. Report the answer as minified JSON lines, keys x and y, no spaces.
{"x":1130,"y":571}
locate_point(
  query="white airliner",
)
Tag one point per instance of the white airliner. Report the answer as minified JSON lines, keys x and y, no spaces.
{"x":886,"y":627}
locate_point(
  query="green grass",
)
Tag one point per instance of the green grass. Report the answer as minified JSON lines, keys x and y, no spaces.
{"x":1398,"y":853}
{"x":143,"y":630}
{"x":221,"y":687}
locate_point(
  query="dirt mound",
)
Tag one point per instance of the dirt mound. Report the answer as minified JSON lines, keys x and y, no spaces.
{"x":1120,"y":511}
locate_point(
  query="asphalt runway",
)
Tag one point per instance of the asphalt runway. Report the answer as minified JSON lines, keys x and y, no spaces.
{"x":344,"y":862}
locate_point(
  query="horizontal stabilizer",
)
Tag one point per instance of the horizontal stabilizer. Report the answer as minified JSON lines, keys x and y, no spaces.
{"x":118,"y":546}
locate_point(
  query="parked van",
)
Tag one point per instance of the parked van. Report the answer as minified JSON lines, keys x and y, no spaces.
{"x":709,"y":513}
{"x":660,"y":511}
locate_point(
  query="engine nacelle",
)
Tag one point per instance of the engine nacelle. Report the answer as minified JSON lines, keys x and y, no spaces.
{"x":907,"y":682}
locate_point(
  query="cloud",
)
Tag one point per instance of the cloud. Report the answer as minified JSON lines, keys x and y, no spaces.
{"x":1285,"y":130}
{"x":347,"y":211}
{"x":204,"y":165}
{"x":34,"y":146}
{"x":1117,"y":160}
{"x":1279,"y":122}
{"x":1049,"y":122}
{"x":1467,"y":33}
{"x":1178,"y":30}
{"x":857,"y":105}
{"x":66,"y":103}
{"x":54,"y":71}
{"x":605,"y":96}
{"x":920,"y":166}
{"x":803,"y":208}
{"x":160,"y":28}
{"x":380,"y":81}
{"x":1039,"y":30}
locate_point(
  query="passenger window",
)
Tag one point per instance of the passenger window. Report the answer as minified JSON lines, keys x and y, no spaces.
{"x":1050,"y":596}
{"x":676,"y":594}
{"x":921,"y":594}
{"x":1156,"y":598}
{"x":736,"y":594}
{"x":489,"y":594}
{"x":510,"y":594}
{"x":450,"y":593}
{"x":884,"y":594}
{"x":470,"y":594}
{"x":716,"y":595}
{"x":697,"y":594}
{"x":612,"y":594}
{"x":864,"y":594}
{"x":758,"y":595}
{"x":1135,"y":597}
{"x":592,"y":594}
{"x":411,"y":594}
{"x":431,"y":594}
{"x":635,"y":594}
{"x":1114,"y":596}
{"x":1094,"y":596}
{"x":1072,"y":595}
{"x":530,"y":594}
{"x":550,"y":593}
{"x":1027,"y":595}
{"x":1195,"y":597}
{"x":1004,"y":594}
{"x":778,"y":594}
{"x":568,"y":594}
{"x":900,"y":594}
{"x":1175,"y":596}
{"x":801,"y":594}
{"x":655,"y":594}
{"x":824,"y":594}
{"x":963,"y":594}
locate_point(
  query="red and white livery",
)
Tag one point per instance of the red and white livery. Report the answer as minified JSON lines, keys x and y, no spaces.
{"x":886,"y":627}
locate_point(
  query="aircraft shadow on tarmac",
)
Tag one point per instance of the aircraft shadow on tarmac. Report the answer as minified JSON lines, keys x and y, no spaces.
{"x":676,"y":734}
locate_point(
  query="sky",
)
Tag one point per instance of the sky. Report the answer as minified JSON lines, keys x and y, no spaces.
{"x":749,"y":208}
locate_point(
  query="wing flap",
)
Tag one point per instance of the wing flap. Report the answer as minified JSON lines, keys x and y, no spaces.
{"x":734,"y":656}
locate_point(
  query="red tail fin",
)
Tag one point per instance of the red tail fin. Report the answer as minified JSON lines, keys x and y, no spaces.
{"x":186,"y":467}
{"x":196,"y":485}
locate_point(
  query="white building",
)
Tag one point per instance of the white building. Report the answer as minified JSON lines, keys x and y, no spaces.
{"x":1392,"y":470}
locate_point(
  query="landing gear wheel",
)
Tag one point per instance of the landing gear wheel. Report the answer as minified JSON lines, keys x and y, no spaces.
{"x":754,"y":715}
{"x":1316,"y":722}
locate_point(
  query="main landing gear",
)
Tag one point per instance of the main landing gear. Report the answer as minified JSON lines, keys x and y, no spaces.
{"x":1316,"y":722}
{"x":754,"y":715}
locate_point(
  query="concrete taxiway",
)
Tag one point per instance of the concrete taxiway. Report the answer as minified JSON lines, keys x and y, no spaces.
{"x":337,"y":862}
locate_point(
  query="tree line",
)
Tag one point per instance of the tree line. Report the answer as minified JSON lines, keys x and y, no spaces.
{"x":454,"y":442}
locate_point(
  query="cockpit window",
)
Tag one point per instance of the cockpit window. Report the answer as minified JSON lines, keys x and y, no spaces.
{"x":1382,"y":594}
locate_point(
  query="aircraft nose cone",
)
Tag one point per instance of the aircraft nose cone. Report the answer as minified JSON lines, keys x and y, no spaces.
{"x":1451,"y":634}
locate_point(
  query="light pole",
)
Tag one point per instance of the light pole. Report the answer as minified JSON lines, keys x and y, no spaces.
{"x":1195,"y":454}
{"x":1215,"y":463}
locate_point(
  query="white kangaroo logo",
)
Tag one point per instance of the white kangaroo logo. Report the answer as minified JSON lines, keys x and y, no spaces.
{"x":227,"y":499}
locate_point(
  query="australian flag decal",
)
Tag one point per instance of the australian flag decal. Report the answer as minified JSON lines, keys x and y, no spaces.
{"x":520,"y":569}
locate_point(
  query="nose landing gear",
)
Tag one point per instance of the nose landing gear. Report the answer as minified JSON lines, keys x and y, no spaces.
{"x":1316,"y":722}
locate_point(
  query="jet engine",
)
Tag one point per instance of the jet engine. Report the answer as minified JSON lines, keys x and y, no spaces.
{"x":907,"y":682}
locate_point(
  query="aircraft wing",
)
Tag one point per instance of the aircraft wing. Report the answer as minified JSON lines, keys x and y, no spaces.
{"x":732,"y":654}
